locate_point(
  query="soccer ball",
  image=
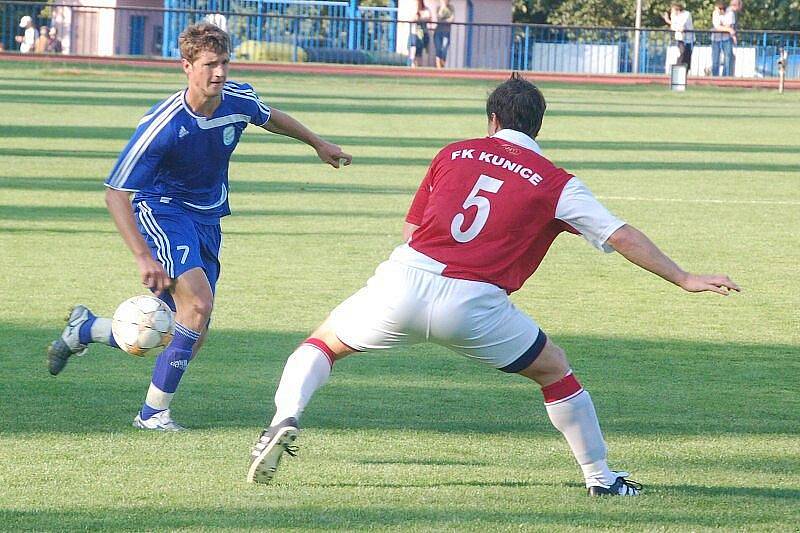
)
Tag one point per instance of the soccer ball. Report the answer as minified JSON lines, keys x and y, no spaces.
{"x":141,"y":324}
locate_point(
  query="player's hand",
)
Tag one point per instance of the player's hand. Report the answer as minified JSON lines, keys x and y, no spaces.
{"x":154,"y":277}
{"x":712,"y":283}
{"x":333,"y":154}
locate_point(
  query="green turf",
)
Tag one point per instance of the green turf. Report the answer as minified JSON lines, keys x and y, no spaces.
{"x":697,"y":393}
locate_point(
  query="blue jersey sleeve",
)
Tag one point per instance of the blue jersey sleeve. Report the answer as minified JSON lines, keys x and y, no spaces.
{"x":138,"y":163}
{"x":248,"y":102}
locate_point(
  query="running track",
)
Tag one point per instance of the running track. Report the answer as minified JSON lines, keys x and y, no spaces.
{"x":371,"y":70}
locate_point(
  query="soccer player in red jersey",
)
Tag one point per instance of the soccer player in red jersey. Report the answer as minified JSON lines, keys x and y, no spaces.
{"x":480,"y":224}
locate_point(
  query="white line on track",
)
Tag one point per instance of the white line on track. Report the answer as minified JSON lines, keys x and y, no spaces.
{"x":699,"y":200}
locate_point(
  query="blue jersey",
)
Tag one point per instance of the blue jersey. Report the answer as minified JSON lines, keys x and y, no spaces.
{"x":178,"y":157}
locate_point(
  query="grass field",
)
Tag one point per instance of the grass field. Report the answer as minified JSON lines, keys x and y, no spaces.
{"x":697,"y":394}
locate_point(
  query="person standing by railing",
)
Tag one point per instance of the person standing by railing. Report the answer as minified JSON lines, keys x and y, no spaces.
{"x":730,"y":21}
{"x":680,"y":21}
{"x":54,"y":45}
{"x":28,"y":38}
{"x":41,"y":42}
{"x":445,"y":15}
{"x":419,"y":38}
{"x":720,"y":38}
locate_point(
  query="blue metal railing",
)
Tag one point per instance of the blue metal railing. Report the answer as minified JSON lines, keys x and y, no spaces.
{"x":344,"y":32}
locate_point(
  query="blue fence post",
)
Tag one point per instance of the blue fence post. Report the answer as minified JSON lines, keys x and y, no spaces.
{"x":352,"y":13}
{"x":526,"y":48}
{"x":259,"y":20}
{"x":470,"y":18}
{"x":393,"y":28}
{"x":166,"y":35}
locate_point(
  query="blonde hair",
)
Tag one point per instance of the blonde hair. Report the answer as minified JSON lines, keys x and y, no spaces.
{"x":202,"y":37}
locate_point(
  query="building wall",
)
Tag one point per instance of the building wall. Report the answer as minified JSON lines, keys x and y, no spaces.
{"x":153,"y":24}
{"x":483,"y":46}
{"x":89,"y":27}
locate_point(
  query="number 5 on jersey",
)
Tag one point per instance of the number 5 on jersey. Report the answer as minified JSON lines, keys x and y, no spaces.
{"x":484,"y":183}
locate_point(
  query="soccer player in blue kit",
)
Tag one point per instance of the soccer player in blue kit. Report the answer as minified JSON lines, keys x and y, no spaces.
{"x":176,"y":167}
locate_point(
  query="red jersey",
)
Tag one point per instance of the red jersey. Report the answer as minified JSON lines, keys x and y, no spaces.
{"x":486,"y":209}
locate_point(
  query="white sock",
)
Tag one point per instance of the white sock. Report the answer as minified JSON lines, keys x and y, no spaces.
{"x":157,"y":398}
{"x":306,"y":370}
{"x":101,"y":330}
{"x":574,"y":416}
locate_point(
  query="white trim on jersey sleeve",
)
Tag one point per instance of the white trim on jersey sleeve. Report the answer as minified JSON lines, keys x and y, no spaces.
{"x":578,"y":207}
{"x":120,"y":188}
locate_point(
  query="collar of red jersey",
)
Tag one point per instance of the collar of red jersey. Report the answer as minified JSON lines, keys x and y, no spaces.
{"x":518,"y":138}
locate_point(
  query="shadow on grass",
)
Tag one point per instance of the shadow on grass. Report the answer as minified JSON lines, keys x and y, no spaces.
{"x":274,"y":511}
{"x":357,"y":107}
{"x":124,"y":133}
{"x":85,"y":214}
{"x":434,"y":143}
{"x":307,"y":159}
{"x":238,"y":186}
{"x":673,"y":387}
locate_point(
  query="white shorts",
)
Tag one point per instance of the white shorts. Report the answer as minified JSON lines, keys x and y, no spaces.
{"x":404,"y":305}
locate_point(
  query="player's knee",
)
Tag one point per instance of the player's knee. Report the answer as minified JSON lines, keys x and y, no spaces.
{"x":201,"y":308}
{"x":556,"y":359}
{"x":550,"y":366}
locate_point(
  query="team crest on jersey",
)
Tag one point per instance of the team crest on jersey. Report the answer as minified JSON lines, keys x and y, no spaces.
{"x":228,"y":135}
{"x":512,"y":149}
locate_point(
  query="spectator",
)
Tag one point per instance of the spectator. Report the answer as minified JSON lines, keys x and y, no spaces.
{"x":418,"y":39}
{"x":54,"y":44}
{"x":441,"y":36}
{"x":42,"y":41}
{"x":720,"y":38}
{"x":217,"y":19}
{"x":680,"y":22}
{"x":730,"y":21}
{"x":28,"y":38}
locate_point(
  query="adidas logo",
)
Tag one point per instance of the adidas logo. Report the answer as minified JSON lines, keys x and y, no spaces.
{"x":183,"y":132}
{"x":180,"y":364}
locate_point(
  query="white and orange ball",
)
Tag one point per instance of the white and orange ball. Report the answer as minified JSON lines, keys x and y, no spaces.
{"x":142,"y":324}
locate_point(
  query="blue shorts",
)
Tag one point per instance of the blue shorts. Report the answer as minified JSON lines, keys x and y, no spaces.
{"x":179,"y":242}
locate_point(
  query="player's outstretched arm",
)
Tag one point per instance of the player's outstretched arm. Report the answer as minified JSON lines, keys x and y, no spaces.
{"x":639,"y":250}
{"x":153,"y":274}
{"x":283,"y":124}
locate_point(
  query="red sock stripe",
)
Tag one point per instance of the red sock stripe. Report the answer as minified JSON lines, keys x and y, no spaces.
{"x":324,"y":348}
{"x":564,"y":388}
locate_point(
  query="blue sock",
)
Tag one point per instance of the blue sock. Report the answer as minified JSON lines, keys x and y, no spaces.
{"x":104,"y":333}
{"x":85,"y":333}
{"x":170,"y":366}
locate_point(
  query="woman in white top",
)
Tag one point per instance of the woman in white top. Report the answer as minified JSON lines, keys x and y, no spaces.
{"x":680,"y":22}
{"x":419,"y":38}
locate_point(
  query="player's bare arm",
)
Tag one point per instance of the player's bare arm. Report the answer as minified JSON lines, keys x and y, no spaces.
{"x":637,"y":248}
{"x":153,"y":274}
{"x":283,"y":124}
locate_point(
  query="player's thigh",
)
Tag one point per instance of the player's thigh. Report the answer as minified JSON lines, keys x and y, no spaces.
{"x":172,"y":238}
{"x":479,"y":321}
{"x":210,"y":241}
{"x":388,"y":312}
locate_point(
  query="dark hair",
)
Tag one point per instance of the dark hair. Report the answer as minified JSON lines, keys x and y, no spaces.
{"x":518,"y":105}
